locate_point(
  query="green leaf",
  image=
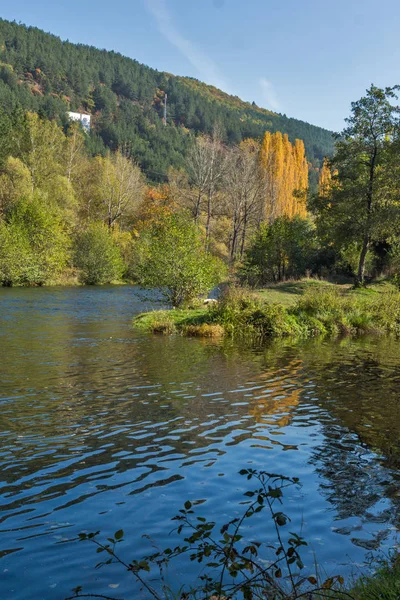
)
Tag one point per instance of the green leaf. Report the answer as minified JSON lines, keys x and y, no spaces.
{"x":280,"y":519}
{"x":119,"y":534}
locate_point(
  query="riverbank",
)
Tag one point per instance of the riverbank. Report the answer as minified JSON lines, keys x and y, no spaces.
{"x":384,"y":584}
{"x":298,"y":309}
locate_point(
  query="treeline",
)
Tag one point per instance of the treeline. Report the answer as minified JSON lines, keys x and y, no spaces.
{"x":40,"y":73}
{"x":64,"y":212}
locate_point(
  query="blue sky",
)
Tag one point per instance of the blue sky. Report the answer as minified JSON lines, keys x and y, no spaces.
{"x":308,"y":59}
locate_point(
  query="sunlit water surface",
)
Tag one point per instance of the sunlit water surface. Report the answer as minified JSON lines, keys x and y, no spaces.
{"x":103,"y":427}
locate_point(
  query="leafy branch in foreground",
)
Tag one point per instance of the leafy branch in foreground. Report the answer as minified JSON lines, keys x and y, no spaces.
{"x":232,"y":565}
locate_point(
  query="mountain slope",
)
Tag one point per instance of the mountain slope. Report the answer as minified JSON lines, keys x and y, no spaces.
{"x":40,"y":72}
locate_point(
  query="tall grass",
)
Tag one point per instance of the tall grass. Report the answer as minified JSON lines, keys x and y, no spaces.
{"x":383,"y":585}
{"x":320,"y":311}
{"x":325,"y":311}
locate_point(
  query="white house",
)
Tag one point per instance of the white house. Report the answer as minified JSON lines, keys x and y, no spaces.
{"x":83,"y":118}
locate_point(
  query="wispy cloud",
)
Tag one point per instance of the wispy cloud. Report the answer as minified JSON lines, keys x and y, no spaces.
{"x":207,"y":69}
{"x":269,"y":94}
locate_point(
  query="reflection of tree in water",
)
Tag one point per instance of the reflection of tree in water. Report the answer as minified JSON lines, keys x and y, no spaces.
{"x":356,"y":381}
{"x":98,"y":408}
{"x":276,"y":407}
{"x":356,"y":384}
{"x":353,"y":387}
{"x":103,"y":408}
{"x":355,"y":484}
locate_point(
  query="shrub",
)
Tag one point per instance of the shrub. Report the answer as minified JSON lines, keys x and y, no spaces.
{"x":385,"y":312}
{"x":384,"y":584}
{"x":235,"y":308}
{"x":170,"y":255}
{"x":166,"y":327}
{"x":320,"y":301}
{"x":273,"y":320}
{"x":33,"y":243}
{"x":97,"y":256}
{"x":241,"y":312}
{"x":280,"y":250}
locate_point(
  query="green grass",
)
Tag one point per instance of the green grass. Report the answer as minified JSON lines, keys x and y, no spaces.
{"x":384,"y":585}
{"x":317,"y":308}
{"x":288,"y":292}
{"x":170,"y":321}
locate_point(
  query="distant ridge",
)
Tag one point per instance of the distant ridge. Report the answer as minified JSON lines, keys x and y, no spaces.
{"x":42,"y":73}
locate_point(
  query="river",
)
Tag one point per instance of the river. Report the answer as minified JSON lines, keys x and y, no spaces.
{"x":103,"y":427}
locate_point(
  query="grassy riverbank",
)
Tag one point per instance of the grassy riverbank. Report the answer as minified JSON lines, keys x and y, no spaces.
{"x":384,"y":584}
{"x":300,"y":309}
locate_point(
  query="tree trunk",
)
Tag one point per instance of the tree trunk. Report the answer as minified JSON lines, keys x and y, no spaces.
{"x":196,"y":214}
{"x":208,"y":223}
{"x":244,"y":231}
{"x":235,"y":233}
{"x":361,"y":265}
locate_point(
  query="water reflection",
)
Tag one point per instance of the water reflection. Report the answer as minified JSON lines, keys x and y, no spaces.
{"x":101,"y":426}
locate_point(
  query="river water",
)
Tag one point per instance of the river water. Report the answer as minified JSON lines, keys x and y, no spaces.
{"x":105,"y":428}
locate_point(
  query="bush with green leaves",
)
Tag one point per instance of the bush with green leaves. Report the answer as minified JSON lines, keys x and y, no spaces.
{"x":171,"y":256}
{"x":97,"y":256}
{"x":33,"y":243}
{"x":281,"y":250}
{"x":234,"y":565}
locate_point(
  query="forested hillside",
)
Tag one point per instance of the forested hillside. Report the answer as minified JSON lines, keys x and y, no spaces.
{"x":43,"y":74}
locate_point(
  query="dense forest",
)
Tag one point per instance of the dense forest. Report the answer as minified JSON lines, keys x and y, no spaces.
{"x":64,"y":211}
{"x":67,"y":215}
{"x":43,"y":74}
{"x":230,"y":182}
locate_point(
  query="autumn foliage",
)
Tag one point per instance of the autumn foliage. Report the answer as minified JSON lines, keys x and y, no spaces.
{"x":325,"y":179}
{"x":157,"y":205}
{"x":286,"y":173}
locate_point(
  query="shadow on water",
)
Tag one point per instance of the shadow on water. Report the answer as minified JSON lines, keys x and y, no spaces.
{"x":102,"y":427}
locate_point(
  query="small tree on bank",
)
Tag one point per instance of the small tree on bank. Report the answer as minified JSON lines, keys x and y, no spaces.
{"x":97,"y":256}
{"x":171,"y":255}
{"x":33,"y":243}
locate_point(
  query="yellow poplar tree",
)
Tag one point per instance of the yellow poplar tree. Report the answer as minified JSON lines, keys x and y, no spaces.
{"x":286,"y":172}
{"x":301,"y":178}
{"x":325,"y":179}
